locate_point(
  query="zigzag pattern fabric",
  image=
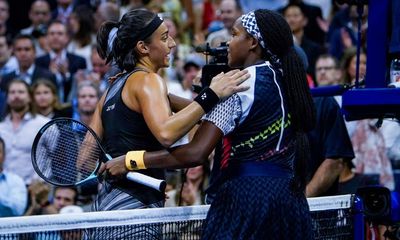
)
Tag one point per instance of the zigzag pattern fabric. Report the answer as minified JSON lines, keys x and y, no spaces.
{"x":271,"y":129}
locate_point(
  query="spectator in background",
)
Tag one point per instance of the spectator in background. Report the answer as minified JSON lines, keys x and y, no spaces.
{"x":4,"y":15}
{"x":87,"y":98}
{"x":63,"y":11}
{"x":24,"y":51}
{"x":60,"y":62}
{"x":313,"y":13}
{"x":345,"y":36}
{"x":8,"y":63}
{"x":132,"y":4}
{"x":294,"y":14}
{"x":101,"y":71}
{"x":46,"y":101}
{"x":327,"y":71}
{"x":348,"y":64}
{"x":64,"y":196}
{"x":106,"y":11}
{"x":330,"y":148}
{"x":229,"y":10}
{"x":19,"y":129}
{"x":5,"y":29}
{"x":40,"y":16}
{"x":81,"y":25}
{"x":191,"y":68}
{"x":98,"y":74}
{"x":13,"y":192}
{"x":39,"y":199}
{"x":192,"y":192}
{"x":339,"y":18}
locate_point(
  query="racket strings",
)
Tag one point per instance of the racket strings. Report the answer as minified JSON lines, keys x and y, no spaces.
{"x":67,"y":153}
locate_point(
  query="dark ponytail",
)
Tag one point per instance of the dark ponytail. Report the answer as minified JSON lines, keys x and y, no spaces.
{"x":278,"y":37}
{"x":102,"y":40}
{"x":130,"y":29}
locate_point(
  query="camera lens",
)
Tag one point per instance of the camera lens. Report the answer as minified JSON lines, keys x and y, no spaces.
{"x":375,"y":203}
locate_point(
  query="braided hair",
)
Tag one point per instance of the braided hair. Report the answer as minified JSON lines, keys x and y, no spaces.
{"x":278,"y":37}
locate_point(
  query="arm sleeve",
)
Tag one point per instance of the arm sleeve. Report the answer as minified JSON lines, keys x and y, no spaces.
{"x":337,"y":143}
{"x":226,"y":114}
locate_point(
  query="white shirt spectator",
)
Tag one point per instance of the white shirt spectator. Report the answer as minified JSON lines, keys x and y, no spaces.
{"x":13,"y":195}
{"x":19,"y":145}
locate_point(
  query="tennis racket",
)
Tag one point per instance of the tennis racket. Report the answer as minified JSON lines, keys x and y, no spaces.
{"x":66,"y":152}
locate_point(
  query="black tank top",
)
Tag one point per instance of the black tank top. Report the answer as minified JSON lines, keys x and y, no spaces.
{"x":126,"y":130}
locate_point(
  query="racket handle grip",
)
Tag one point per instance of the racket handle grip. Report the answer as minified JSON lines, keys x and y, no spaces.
{"x":151,"y":182}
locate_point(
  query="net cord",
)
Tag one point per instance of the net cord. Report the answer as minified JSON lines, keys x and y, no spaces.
{"x":30,"y":224}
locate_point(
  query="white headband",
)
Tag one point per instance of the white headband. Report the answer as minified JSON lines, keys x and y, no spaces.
{"x":111,"y":37}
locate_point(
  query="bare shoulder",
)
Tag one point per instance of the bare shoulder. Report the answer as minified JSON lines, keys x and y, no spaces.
{"x":143,"y":77}
{"x":144,"y":80}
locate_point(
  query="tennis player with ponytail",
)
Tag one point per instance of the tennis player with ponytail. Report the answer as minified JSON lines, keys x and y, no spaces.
{"x":135,"y":112}
{"x":260,"y":189}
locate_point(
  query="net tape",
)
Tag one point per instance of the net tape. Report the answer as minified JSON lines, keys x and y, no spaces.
{"x":331,"y":219}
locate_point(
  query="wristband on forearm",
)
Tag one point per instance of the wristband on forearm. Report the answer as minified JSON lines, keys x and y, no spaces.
{"x":134,"y":160}
{"x":207,"y":99}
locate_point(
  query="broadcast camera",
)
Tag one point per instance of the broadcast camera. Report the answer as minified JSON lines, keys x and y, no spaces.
{"x":381,"y":207}
{"x":217,"y":64}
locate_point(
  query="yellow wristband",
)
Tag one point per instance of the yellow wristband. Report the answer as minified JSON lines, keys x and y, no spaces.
{"x":134,"y":160}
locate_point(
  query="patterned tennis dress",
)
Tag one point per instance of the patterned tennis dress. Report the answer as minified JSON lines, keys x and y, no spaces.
{"x":254,"y":193}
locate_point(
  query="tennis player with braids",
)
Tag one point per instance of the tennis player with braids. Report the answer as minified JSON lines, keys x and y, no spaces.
{"x":135,"y":112}
{"x":260,"y":189}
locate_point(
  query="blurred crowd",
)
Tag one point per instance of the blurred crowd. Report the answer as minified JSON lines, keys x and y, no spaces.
{"x":49,"y":68}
